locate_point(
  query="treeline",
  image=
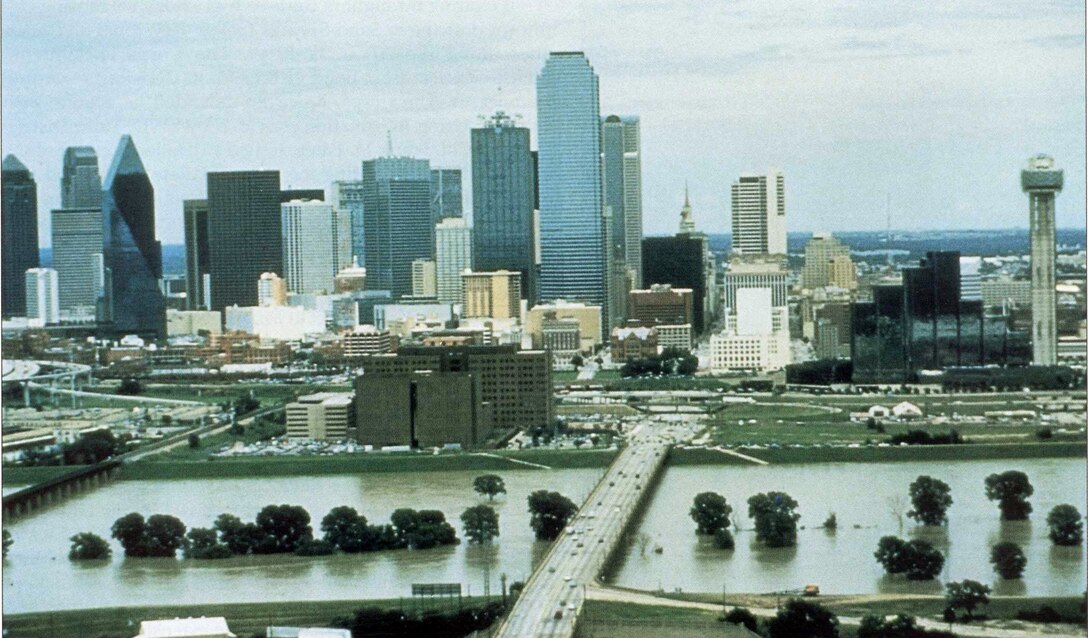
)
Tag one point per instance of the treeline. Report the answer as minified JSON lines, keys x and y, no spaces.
{"x":671,"y":361}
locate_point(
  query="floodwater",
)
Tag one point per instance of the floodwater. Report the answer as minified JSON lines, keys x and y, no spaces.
{"x":38,"y":576}
{"x":862,"y":496}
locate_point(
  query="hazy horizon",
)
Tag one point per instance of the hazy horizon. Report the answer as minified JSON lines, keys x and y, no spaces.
{"x":934,"y":109}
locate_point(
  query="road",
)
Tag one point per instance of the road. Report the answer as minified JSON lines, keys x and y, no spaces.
{"x":553,"y":596}
{"x":183,"y":438}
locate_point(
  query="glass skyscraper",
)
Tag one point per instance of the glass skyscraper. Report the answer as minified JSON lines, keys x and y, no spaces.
{"x":502,"y":199}
{"x":197,"y":269}
{"x":80,"y":184}
{"x":244,"y":234}
{"x":19,"y":233}
{"x":621,"y":178}
{"x":77,"y":230}
{"x":572,"y":242}
{"x":132,"y":257}
{"x":347,"y":195}
{"x":397,"y":219}
{"x":445,"y":193}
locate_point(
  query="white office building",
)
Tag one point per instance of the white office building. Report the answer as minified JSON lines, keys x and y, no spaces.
{"x":42,"y":297}
{"x":759,"y":214}
{"x":453,"y":256}
{"x":316,"y":245}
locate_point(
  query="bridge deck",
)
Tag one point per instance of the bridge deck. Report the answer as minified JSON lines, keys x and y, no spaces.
{"x":559,"y":583}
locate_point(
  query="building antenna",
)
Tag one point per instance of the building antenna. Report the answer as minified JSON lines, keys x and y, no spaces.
{"x":888,"y":229}
{"x":389,"y":141}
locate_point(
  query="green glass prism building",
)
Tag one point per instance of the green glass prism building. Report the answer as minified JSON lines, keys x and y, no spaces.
{"x":132,"y":302}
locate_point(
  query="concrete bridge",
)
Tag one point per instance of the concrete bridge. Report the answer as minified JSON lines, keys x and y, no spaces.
{"x":46,"y":493}
{"x":554,"y":594}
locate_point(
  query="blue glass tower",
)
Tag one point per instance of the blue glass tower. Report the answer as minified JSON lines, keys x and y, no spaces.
{"x":133,"y":302}
{"x":572,"y":242}
{"x":398,"y":227}
{"x":502,"y":199}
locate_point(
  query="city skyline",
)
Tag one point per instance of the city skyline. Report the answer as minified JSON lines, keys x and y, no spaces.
{"x":821,"y":92}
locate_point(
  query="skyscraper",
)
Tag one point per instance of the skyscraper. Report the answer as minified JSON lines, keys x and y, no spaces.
{"x":819,"y":251}
{"x":572,"y":242}
{"x":348,"y":196}
{"x":398,"y":222}
{"x":80,"y":184}
{"x":1042,"y":181}
{"x":502,"y":199}
{"x":759,"y":214}
{"x":621,"y":179}
{"x":680,"y":261}
{"x":133,"y":303}
{"x":453,"y":255}
{"x":76,"y":230}
{"x":244,"y":234}
{"x":76,"y":239}
{"x":197,"y":268}
{"x":19,"y":233}
{"x":42,"y":300}
{"x":445,"y":193}
{"x":310,"y":253}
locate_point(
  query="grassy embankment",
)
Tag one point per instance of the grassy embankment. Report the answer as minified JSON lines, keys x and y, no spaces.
{"x":244,"y":619}
{"x":966,"y":452}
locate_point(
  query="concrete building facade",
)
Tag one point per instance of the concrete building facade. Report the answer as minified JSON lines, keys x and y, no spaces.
{"x":324,"y":416}
{"x":496,"y":295}
{"x":1042,"y":181}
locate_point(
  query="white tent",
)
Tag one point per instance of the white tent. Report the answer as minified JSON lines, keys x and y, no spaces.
{"x":186,"y":628}
{"x":907,"y":410}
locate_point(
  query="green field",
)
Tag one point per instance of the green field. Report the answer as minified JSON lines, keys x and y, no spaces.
{"x":15,"y":475}
{"x":608,"y":619}
{"x":244,"y":619}
{"x":359,"y":463}
{"x":964,"y":452}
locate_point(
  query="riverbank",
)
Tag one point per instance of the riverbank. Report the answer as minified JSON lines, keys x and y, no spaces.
{"x":244,"y":619}
{"x":893,"y":454}
{"x":498,"y":460}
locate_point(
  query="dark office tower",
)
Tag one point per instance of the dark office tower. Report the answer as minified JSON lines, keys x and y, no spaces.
{"x":19,"y":234}
{"x":931,"y":298}
{"x":197,"y":266}
{"x":445,"y":193}
{"x":398,"y":226}
{"x":244,"y":234}
{"x":132,"y":258}
{"x":502,"y":199}
{"x":536,"y":179}
{"x":302,"y":193}
{"x":876,"y":337}
{"x":572,"y":241}
{"x":80,"y":184}
{"x":679,"y":261}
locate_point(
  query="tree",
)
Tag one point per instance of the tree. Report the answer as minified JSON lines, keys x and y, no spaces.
{"x":741,"y":616}
{"x":481,"y":524}
{"x":710,"y":513}
{"x":7,"y":542}
{"x":1066,"y":526}
{"x":92,"y":447}
{"x":163,"y":535}
{"x":775,"y":517}
{"x":549,"y":513}
{"x":283,"y":528}
{"x":194,"y":441}
{"x":129,"y":531}
{"x":240,"y":538}
{"x":577,"y":361}
{"x":723,"y":539}
{"x":966,"y":595}
{"x":130,"y":387}
{"x":1011,"y":490}
{"x":901,"y":626}
{"x":931,"y":498}
{"x":346,"y":529}
{"x":423,"y":529}
{"x":87,"y":546}
{"x":489,"y":485}
{"x":203,"y":543}
{"x":831,"y":522}
{"x":803,"y":619}
{"x":1008,"y":560}
{"x":916,"y":559}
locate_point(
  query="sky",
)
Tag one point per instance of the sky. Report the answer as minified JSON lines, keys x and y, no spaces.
{"x":923,"y":113}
